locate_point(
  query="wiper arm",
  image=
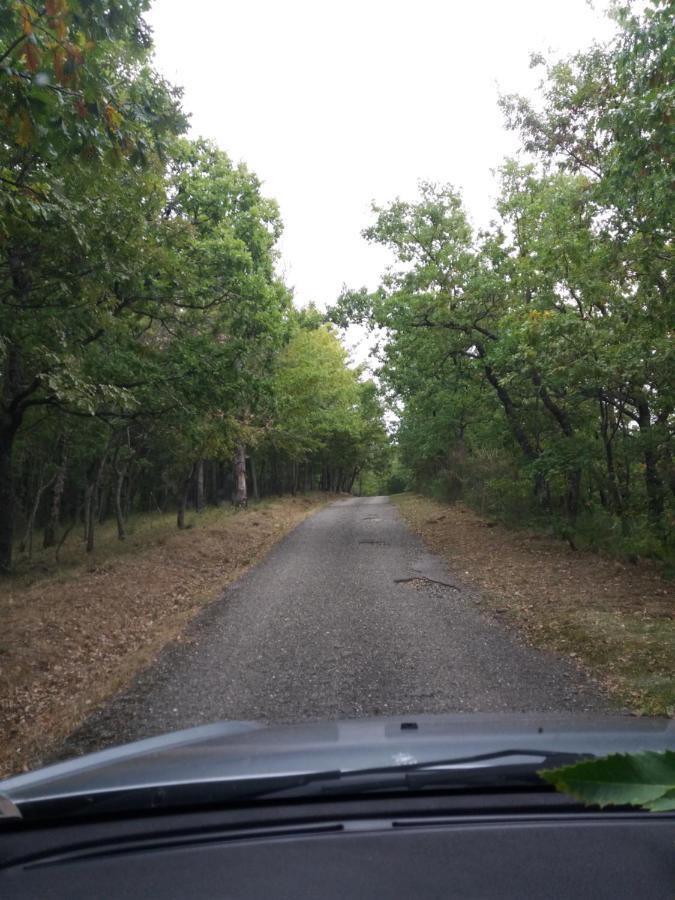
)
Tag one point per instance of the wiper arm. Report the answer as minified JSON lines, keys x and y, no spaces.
{"x":153,"y":797}
{"x":495,"y":769}
{"x":498,"y":769}
{"x":552,"y":758}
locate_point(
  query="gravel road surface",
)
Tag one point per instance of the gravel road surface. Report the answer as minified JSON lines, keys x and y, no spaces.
{"x":348,"y":616}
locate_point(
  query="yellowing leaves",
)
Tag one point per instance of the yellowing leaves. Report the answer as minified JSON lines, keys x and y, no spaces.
{"x":74,"y":54}
{"x":30,"y":47}
{"x":32,"y":54}
{"x":26,"y":19}
{"x":58,"y":57}
{"x":59,"y":26}
{"x":55,"y":8}
{"x":112,"y":117}
{"x":56,"y":11}
{"x":26,"y":132}
{"x":48,"y":36}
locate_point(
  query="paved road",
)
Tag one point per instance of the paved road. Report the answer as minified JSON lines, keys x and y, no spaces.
{"x":348,"y":616}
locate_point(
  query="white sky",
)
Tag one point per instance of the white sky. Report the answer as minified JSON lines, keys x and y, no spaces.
{"x":334,"y":105}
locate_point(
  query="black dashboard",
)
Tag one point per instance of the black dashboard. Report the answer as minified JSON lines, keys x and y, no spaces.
{"x":507,"y":845}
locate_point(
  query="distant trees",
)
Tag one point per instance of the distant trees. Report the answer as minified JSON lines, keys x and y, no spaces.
{"x":534,"y":360}
{"x":327,"y":425}
{"x":144,"y":332}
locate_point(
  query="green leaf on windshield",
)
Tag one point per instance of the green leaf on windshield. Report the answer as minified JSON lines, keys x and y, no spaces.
{"x":665,"y":803}
{"x":644,"y":779}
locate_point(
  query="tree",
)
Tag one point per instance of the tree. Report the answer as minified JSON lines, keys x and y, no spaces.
{"x":87,"y":123}
{"x":538,"y":352}
{"x":607,"y":114}
{"x":326,"y":424}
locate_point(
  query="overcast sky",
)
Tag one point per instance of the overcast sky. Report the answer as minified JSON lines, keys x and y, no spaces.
{"x":334,"y":105}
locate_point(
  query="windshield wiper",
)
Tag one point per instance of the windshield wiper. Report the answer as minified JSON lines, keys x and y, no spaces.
{"x":151,"y":797}
{"x":550,"y":757}
{"x":499,"y":770}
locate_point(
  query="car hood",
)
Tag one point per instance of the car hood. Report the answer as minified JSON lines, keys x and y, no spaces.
{"x":232,"y":751}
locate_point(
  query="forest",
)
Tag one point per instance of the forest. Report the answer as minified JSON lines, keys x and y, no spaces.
{"x":152,"y":358}
{"x":531,"y":362}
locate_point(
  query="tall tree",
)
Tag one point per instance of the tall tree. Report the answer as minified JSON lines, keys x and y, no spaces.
{"x":86,"y":117}
{"x":539,"y":352}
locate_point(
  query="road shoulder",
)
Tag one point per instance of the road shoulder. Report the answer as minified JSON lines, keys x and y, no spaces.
{"x":70,"y":641}
{"x":614,"y":619}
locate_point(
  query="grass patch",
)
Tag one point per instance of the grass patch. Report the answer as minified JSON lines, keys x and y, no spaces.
{"x":144,"y":530}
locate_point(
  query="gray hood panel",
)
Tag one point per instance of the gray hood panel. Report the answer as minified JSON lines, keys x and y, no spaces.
{"x":243,"y":750}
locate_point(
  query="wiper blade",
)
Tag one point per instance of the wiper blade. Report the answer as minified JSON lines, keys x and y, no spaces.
{"x":494,"y":759}
{"x":162,"y":796}
{"x":497,"y":769}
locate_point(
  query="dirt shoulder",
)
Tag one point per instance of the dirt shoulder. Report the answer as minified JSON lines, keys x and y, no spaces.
{"x":616,"y":620}
{"x":72,"y":638}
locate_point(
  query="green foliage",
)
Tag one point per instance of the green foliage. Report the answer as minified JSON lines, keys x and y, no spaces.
{"x":531,"y":365}
{"x":143,"y":328}
{"x":644,"y":779}
{"x":316,"y":393}
{"x":324,"y":415}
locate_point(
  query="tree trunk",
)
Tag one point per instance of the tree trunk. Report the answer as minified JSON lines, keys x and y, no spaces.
{"x":183,"y":501}
{"x":91,"y":501}
{"x":254,"y":479}
{"x":131,"y":491}
{"x":88,"y":518}
{"x":542,"y":491}
{"x":240,"y":491}
{"x":612,"y":482}
{"x":6,"y":499}
{"x":119,"y":513}
{"x":15,"y":396}
{"x":653,"y":483}
{"x":276,"y":481}
{"x":608,"y":430}
{"x":30,"y":527}
{"x":509,"y":408}
{"x":66,"y":532}
{"x":182,"y":505}
{"x":103,"y":495}
{"x":52,"y":526}
{"x":564,"y":422}
{"x":213,"y":468}
{"x":199,"y":494}
{"x":353,"y":479}
{"x":10,"y":420}
{"x":666,"y":449}
{"x":572,"y":496}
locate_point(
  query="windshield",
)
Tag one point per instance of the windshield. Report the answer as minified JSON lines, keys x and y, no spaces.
{"x":336,"y":386}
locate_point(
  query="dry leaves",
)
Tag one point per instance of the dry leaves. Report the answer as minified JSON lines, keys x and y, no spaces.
{"x":66,"y":644}
{"x":616,"y":619}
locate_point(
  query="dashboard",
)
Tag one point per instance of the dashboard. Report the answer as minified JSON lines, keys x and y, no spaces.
{"x":508,"y":845}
